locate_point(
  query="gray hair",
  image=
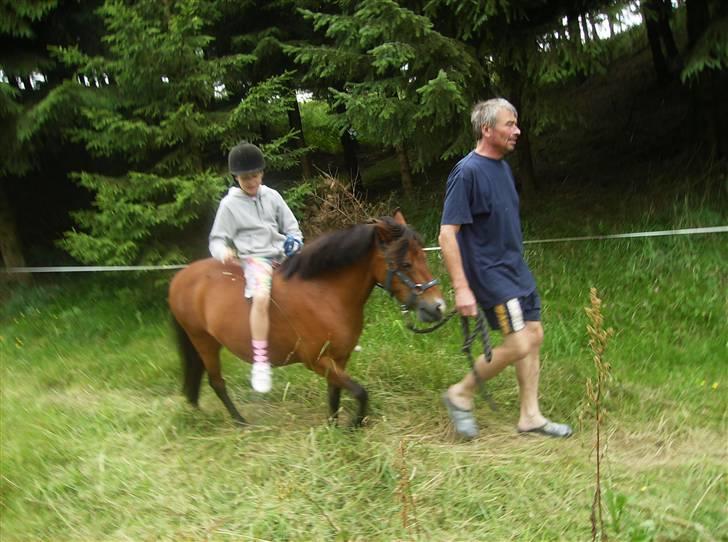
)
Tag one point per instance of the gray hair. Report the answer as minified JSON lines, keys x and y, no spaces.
{"x":485,"y":114}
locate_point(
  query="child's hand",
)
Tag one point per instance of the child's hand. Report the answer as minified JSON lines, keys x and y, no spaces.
{"x":292,"y":245}
{"x":230,"y":256}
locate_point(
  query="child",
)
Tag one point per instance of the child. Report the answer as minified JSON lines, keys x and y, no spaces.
{"x":251,"y":226}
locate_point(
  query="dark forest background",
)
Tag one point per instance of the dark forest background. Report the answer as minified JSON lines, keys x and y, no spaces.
{"x":117,"y":115}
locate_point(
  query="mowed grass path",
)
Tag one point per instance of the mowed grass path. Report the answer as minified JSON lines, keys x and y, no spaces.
{"x":98,"y":444}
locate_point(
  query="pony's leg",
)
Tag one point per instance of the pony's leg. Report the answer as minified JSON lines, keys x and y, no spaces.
{"x":221,"y":390}
{"x":334,"y":401}
{"x":209,"y":350}
{"x":338,"y":378}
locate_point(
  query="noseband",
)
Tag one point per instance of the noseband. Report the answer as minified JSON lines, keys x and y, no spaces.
{"x":416,"y":288}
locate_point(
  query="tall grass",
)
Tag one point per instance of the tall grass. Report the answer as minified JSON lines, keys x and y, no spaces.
{"x":98,"y":444}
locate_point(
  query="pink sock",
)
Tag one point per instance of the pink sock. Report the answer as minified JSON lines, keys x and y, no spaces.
{"x":260,"y":351}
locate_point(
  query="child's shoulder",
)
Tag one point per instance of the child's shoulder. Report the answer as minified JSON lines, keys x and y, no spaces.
{"x":268,"y":192}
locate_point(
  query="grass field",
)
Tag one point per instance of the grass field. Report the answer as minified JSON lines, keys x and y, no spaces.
{"x":98,"y":443}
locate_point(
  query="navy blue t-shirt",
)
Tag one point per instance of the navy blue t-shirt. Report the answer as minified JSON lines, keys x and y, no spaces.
{"x":481,"y":197}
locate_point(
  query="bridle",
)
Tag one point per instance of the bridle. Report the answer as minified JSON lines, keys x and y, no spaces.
{"x":416,"y":289}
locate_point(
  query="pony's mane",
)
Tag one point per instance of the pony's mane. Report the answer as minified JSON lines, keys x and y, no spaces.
{"x":342,"y":248}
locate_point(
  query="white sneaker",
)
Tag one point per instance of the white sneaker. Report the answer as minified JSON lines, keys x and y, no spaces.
{"x":260,"y":377}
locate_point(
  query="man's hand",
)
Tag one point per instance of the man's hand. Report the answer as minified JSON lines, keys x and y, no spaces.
{"x":465,"y":302}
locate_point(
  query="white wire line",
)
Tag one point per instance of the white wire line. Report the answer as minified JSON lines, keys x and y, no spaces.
{"x":90,"y":268}
{"x":663,"y":233}
{"x":97,"y":268}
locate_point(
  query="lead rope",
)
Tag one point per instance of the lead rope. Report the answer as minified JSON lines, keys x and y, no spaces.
{"x":480,"y":331}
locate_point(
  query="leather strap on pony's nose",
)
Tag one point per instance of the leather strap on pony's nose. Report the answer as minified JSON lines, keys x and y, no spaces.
{"x":416,"y":288}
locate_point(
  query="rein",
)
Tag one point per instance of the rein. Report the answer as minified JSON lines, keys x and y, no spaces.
{"x":480,"y":331}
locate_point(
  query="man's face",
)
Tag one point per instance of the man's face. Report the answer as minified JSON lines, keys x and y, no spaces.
{"x":249,"y":182}
{"x":504,"y":135}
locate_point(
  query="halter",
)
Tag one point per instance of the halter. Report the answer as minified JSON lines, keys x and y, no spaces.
{"x":416,"y":288}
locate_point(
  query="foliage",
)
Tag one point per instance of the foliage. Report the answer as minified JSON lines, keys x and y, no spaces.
{"x":405,"y":82}
{"x":164,"y":117}
{"x":18,"y":16}
{"x":32,"y":109}
{"x":320,"y":127}
{"x":710,"y":52}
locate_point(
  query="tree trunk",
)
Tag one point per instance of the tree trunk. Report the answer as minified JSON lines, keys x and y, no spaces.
{"x":405,"y":171}
{"x":653,"y":37}
{"x":525,"y":167}
{"x":592,"y":22}
{"x":585,"y":28}
{"x":350,"y":145}
{"x":294,"y":121}
{"x":527,"y":178}
{"x":656,"y":14}
{"x":572,"y":19}
{"x":611,"y":19}
{"x":698,"y":17}
{"x":10,"y":251}
{"x":663,"y":20}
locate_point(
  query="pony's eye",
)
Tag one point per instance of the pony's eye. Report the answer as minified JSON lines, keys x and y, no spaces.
{"x":406,"y":265}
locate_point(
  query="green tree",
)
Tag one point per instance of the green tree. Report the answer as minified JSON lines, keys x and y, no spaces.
{"x":405,"y":82}
{"x":32,"y":109}
{"x":531,"y":49}
{"x":261,"y":29}
{"x":166,"y":114}
{"x":705,"y":69}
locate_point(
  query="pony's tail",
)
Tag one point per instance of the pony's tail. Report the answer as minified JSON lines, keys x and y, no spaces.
{"x":192,"y":366}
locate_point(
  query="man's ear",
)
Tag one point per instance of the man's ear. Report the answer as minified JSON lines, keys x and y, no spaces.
{"x":399,"y":217}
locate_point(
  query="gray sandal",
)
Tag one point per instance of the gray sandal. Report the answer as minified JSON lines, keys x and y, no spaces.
{"x":462,"y":420}
{"x":550,"y":429}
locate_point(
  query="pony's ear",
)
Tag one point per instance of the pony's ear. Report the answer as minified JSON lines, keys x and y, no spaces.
{"x":399,"y":217}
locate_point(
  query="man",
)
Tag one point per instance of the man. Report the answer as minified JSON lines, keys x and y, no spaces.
{"x":481,"y":242}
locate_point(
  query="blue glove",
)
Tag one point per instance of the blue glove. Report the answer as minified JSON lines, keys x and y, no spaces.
{"x":291,"y":245}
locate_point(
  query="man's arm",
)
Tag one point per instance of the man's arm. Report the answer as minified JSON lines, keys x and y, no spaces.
{"x":464,"y":298}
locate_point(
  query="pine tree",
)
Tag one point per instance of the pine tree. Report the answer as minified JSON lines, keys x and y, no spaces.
{"x":32,"y":107}
{"x":405,"y":83}
{"x":163,"y":117}
{"x":530,"y":53}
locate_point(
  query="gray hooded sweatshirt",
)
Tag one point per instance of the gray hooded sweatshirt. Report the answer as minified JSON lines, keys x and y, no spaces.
{"x":255,"y":226}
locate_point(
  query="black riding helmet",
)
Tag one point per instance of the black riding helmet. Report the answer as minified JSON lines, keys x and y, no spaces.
{"x":245,"y":158}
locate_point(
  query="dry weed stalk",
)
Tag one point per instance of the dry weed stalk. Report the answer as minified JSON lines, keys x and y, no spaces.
{"x":405,"y":494}
{"x":598,"y":338}
{"x":335,"y":205}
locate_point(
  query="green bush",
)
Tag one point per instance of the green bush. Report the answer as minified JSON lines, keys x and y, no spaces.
{"x":319,"y":127}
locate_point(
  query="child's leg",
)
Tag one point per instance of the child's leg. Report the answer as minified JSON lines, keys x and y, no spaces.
{"x":258,"y":278}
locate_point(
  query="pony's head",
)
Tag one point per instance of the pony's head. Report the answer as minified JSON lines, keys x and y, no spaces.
{"x":402,"y":270}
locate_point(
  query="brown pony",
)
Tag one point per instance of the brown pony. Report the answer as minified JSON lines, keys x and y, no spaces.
{"x":316,"y":311}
